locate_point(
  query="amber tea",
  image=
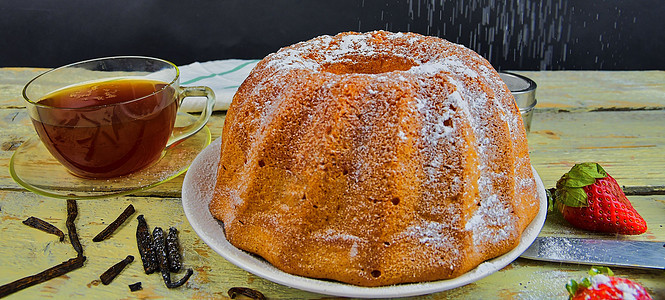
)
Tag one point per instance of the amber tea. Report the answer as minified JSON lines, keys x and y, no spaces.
{"x":107,"y":128}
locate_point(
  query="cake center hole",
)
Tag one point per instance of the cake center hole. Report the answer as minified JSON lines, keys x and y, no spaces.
{"x":369,"y":65}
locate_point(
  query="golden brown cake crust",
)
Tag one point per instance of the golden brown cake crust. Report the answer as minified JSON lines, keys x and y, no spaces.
{"x":374,"y":159}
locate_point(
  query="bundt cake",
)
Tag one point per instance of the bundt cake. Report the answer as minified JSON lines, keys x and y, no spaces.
{"x":374,"y":159}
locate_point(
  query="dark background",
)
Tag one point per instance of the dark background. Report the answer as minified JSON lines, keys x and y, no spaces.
{"x":511,"y":34}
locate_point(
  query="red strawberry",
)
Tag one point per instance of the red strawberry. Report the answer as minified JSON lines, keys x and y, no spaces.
{"x":591,"y":199}
{"x":603,"y":285}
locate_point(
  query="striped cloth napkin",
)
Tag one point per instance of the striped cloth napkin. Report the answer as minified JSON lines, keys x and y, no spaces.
{"x":222,"y":76}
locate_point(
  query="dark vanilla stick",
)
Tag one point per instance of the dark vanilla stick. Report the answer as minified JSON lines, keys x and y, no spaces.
{"x":48,"y":274}
{"x":146,"y":250}
{"x":44,"y":226}
{"x":115,"y":270}
{"x":173,"y":250}
{"x":115,"y":224}
{"x":247,"y":292}
{"x":159,"y":242}
{"x":72,"y":213}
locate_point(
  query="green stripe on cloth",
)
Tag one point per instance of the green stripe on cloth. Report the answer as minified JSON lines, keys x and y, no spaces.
{"x":219,"y":74}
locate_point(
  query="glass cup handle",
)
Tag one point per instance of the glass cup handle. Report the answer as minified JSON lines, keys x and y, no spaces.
{"x":181,"y":133}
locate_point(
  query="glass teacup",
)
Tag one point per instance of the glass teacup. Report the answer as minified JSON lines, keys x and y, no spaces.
{"x":109,"y":117}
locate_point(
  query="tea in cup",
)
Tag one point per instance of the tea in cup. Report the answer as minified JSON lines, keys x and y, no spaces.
{"x":113,"y":116}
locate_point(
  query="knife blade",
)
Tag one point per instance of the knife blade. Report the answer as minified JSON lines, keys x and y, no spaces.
{"x":632,"y":254}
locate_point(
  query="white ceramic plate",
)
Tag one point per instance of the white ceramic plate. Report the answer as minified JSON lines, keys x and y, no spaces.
{"x":197,"y":192}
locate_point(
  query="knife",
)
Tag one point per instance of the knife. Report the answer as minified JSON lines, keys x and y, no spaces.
{"x":631,"y":254}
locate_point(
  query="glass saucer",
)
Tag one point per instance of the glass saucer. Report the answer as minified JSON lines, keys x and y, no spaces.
{"x":35,"y":169}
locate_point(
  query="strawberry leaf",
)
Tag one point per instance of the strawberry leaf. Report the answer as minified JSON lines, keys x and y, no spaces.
{"x":575,"y":180}
{"x":550,"y":199}
{"x":581,"y":175}
{"x":573,"y":197}
{"x":572,"y":287}
{"x":590,"y":169}
{"x":600,"y":270}
{"x":569,"y":188}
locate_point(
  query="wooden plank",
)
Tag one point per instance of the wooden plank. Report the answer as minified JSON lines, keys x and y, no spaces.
{"x":589,"y":90}
{"x":631,"y":152}
{"x":628,"y":144}
{"x":27,"y":251}
{"x":12,"y":81}
{"x":556,"y":89}
{"x":628,"y":140}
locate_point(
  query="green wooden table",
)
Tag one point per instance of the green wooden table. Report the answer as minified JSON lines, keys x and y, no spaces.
{"x":614,"y":118}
